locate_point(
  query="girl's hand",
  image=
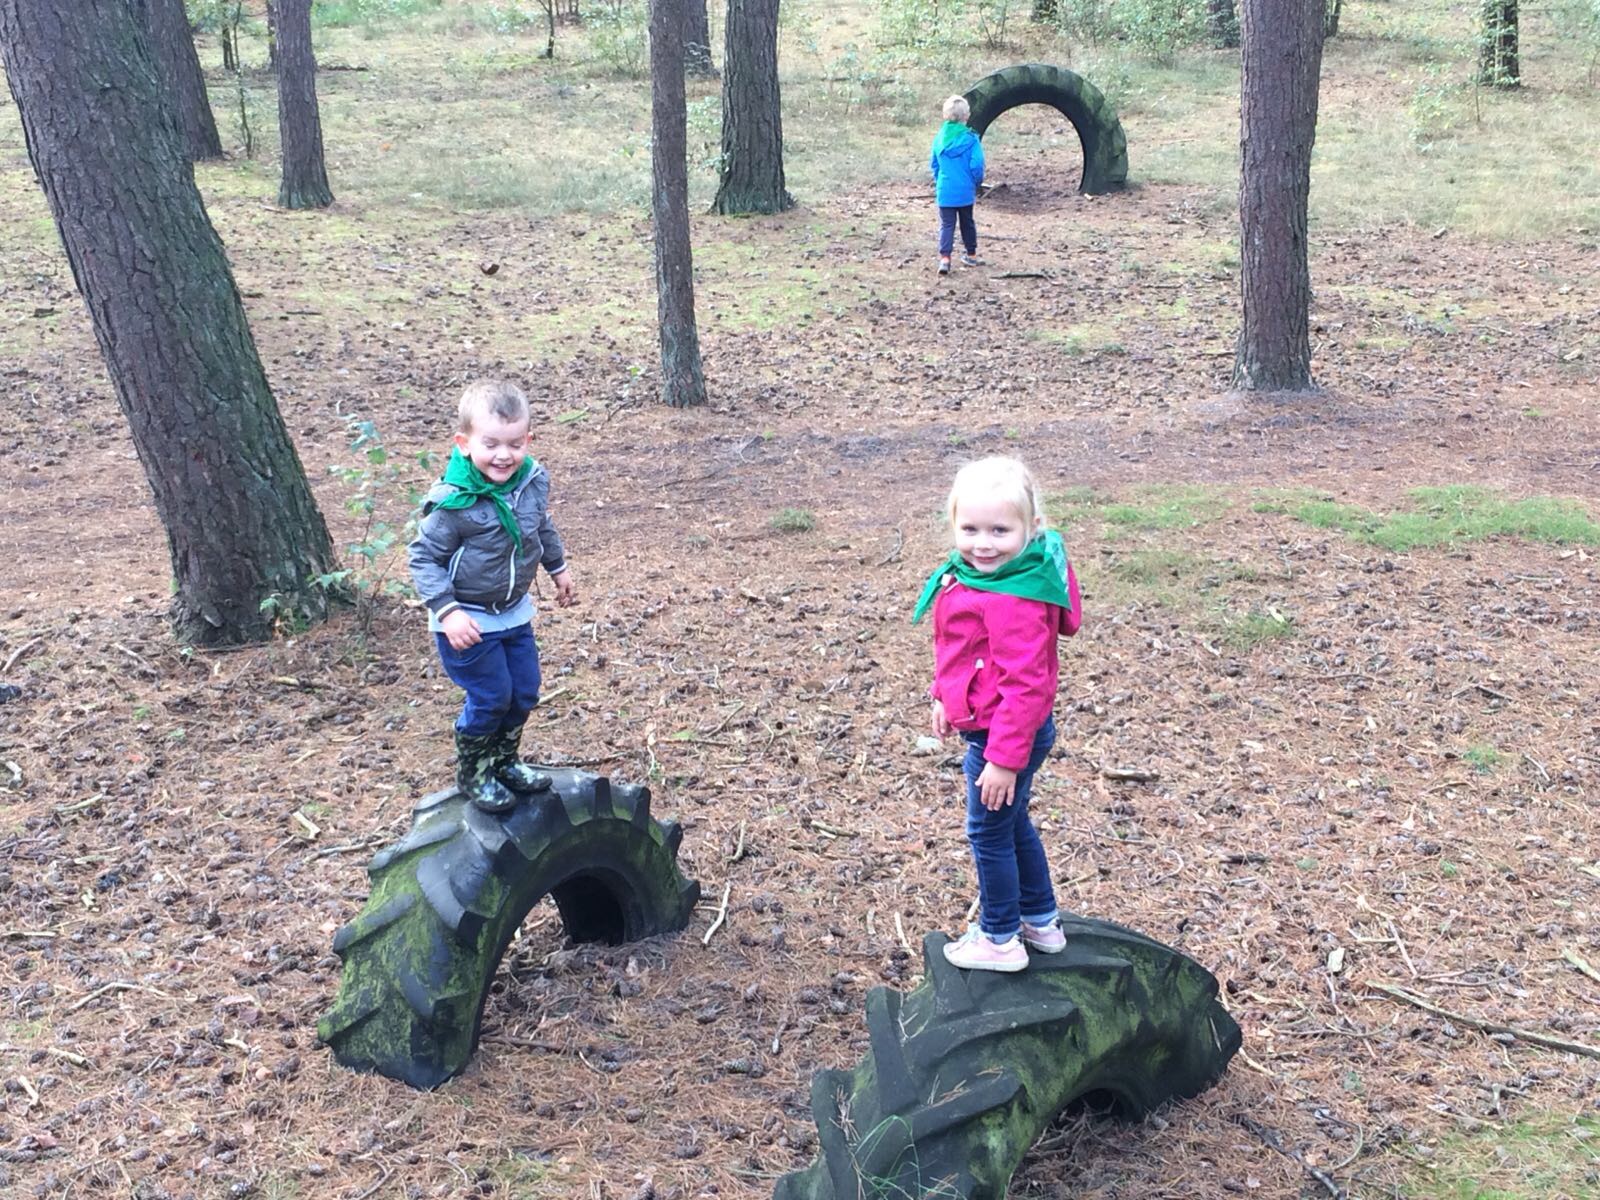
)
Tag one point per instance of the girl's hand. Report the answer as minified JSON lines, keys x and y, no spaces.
{"x":460,"y":630}
{"x":941,"y":723}
{"x":997,"y":786}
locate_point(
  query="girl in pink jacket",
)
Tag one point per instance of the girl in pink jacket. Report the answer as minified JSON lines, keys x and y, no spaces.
{"x":1000,"y":602}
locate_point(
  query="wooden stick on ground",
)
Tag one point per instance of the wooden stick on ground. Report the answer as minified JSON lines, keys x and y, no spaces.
{"x":1581,"y":963}
{"x":722,"y":915}
{"x":1270,"y":1138}
{"x":1522,"y":1035}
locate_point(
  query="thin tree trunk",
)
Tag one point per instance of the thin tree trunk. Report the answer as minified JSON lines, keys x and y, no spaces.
{"x":1330,"y":18}
{"x":185,"y":81}
{"x":305,"y":177}
{"x":752,"y":113}
{"x":682,"y":378}
{"x":242,"y":527}
{"x":1498,"y":59}
{"x":697,"y":40}
{"x":1222,"y":24}
{"x":1281,"y":60}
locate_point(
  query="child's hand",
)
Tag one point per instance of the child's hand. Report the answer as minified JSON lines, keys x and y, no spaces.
{"x":997,"y":786}
{"x":460,"y":630}
{"x":941,"y":723}
{"x":566,"y":590}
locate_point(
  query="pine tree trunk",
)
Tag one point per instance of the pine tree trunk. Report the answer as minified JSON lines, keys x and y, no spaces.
{"x":242,"y":527}
{"x":1222,"y":24}
{"x":697,"y":40}
{"x":1498,"y":64}
{"x":1330,"y":18}
{"x":682,"y":378}
{"x":1281,"y":59}
{"x":305,"y":178}
{"x":179,"y":63}
{"x":752,"y":116}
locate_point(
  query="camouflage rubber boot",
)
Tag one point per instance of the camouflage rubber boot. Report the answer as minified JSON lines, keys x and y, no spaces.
{"x":509,"y":767}
{"x":475,"y":774}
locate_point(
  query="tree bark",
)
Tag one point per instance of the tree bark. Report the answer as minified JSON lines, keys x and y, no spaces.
{"x":1281,"y":59}
{"x":305,"y":177}
{"x":682,"y":378}
{"x":752,"y":114}
{"x":1498,"y":64}
{"x":697,"y":40}
{"x":242,"y":527}
{"x":1222,"y":24}
{"x":185,"y":81}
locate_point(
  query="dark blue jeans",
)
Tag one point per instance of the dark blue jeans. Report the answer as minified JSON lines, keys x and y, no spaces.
{"x":1013,"y":876}
{"x":501,"y":678}
{"x":947,"y":229}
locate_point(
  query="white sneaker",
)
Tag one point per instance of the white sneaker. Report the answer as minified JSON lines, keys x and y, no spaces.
{"x":974,"y":951}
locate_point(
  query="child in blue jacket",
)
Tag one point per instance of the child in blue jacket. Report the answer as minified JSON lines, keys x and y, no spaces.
{"x":957,"y":164}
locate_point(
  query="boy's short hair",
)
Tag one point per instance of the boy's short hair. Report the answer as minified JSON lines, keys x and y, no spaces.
{"x":956,"y":108}
{"x":1004,"y":479}
{"x":493,"y":397}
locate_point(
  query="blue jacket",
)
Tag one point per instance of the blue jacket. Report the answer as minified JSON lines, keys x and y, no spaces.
{"x":957,"y":170}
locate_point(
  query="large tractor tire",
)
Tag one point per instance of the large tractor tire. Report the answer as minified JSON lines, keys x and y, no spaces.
{"x":969,"y":1069}
{"x":447,"y":898}
{"x":1105,"y":148}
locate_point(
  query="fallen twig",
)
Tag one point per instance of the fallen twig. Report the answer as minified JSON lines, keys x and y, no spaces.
{"x":116,"y":985}
{"x":894,"y":554}
{"x":1130,"y":774}
{"x":900,"y":932}
{"x":1581,"y":963}
{"x":27,"y":933}
{"x":722,"y":915}
{"x":1524,"y":1035}
{"x":19,"y":652}
{"x":1270,"y":1138}
{"x":738,"y":850}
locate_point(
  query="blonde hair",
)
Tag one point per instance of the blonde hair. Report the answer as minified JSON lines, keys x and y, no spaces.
{"x":1004,"y":479}
{"x":956,"y":108}
{"x":490,"y":397}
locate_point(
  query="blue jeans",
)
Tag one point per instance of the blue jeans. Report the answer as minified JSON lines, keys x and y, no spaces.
{"x":947,"y":229}
{"x":501,"y":678}
{"x":1013,"y":876}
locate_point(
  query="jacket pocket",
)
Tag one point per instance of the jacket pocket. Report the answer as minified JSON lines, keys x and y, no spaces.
{"x":967,"y":691}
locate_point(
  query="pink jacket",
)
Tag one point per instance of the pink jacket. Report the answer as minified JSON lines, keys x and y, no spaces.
{"x":995,"y":665}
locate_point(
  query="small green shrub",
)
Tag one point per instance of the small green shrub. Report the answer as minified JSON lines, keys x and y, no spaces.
{"x":793,"y":520}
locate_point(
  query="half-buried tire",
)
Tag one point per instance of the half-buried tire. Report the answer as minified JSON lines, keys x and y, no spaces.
{"x":969,"y":1069}
{"x":447,"y":898}
{"x":1105,"y":148}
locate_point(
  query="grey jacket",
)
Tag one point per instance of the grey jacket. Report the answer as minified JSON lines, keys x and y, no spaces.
{"x":462,"y":556}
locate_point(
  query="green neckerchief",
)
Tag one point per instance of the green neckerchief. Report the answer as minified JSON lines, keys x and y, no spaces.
{"x":472,"y":486}
{"x":949,"y":133}
{"x":1038,"y":572}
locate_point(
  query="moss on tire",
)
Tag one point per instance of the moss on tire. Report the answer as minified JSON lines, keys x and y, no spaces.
{"x":969,"y":1069}
{"x":448,"y":896}
{"x":1105,"y":147}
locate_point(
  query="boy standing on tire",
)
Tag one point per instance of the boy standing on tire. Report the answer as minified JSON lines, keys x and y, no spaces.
{"x":485,"y":530}
{"x":957,"y":164}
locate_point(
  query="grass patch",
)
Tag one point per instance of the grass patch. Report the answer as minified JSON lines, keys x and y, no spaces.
{"x":792,"y":520}
{"x":1444,"y":516}
{"x":1151,"y":506}
{"x":1482,"y":759}
{"x":1548,"y":1154}
{"x":1247,"y":630}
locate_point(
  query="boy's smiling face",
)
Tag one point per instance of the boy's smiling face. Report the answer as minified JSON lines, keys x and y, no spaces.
{"x":495,"y":446}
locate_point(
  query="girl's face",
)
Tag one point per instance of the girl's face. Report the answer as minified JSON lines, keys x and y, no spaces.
{"x":990,"y":532}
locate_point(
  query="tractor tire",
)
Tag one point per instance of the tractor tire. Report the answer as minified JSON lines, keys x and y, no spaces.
{"x":447,"y":898}
{"x":969,"y":1069}
{"x":1105,"y":147}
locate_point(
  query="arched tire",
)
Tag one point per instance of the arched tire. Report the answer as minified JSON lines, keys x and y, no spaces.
{"x":447,"y":898}
{"x":1105,"y":148}
{"x":969,"y":1069}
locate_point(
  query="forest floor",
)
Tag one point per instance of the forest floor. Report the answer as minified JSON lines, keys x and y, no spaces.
{"x":1343,"y":632}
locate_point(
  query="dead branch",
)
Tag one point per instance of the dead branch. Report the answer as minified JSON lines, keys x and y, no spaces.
{"x":1483,"y":1026}
{"x":1270,"y":1138}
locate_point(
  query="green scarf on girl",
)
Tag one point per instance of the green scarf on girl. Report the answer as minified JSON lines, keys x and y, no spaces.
{"x":1038,"y":572}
